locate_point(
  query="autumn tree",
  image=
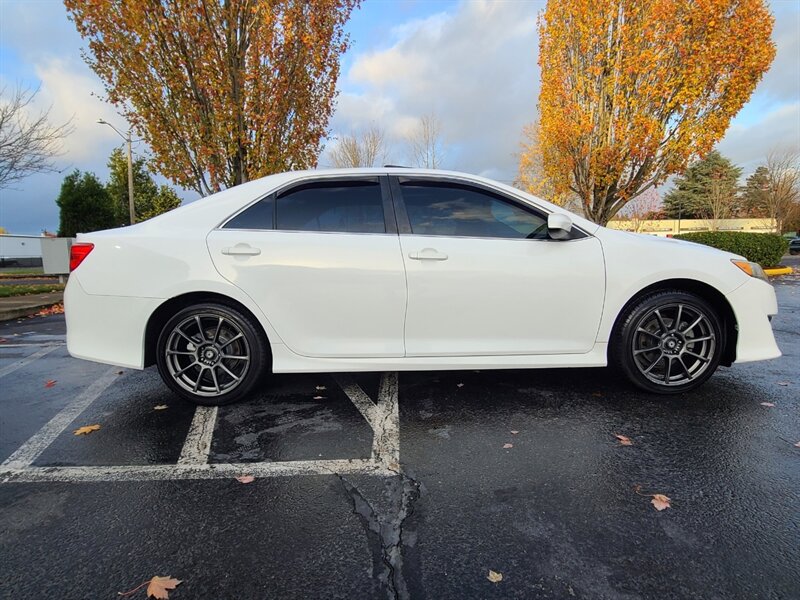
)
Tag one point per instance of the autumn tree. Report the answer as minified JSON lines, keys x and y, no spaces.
{"x":84,"y":205}
{"x":632,"y":90}
{"x":426,"y":144}
{"x":29,"y":142}
{"x":782,"y":200}
{"x":531,"y":176}
{"x":223,"y":91}
{"x":707,"y":190}
{"x":149,"y":199}
{"x":359,"y":149}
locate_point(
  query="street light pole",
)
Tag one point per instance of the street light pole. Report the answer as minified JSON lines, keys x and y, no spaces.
{"x":127,"y":138}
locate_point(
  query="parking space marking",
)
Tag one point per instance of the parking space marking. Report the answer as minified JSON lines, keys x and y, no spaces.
{"x":382,"y":416}
{"x":198,"y":440}
{"x":120,"y":473}
{"x":27,"y":360}
{"x":38,"y":443}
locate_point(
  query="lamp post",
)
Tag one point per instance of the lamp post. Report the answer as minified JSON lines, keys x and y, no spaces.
{"x":127,"y":139}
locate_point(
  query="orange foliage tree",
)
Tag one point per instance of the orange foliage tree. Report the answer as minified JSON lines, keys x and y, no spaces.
{"x":222,"y":91}
{"x":633,"y":89}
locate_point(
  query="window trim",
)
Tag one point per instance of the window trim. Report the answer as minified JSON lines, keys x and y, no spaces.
{"x":389,"y":217}
{"x":404,"y":225}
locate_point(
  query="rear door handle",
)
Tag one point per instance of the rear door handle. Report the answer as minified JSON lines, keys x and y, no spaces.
{"x":241,"y":250}
{"x":428,"y":254}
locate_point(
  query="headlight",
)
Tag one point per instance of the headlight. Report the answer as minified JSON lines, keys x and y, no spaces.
{"x":752,"y":269}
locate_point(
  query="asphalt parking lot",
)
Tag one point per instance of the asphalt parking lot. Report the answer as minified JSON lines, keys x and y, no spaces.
{"x":399,"y":486}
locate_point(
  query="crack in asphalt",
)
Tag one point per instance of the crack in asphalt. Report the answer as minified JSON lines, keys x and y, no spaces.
{"x":388,"y":529}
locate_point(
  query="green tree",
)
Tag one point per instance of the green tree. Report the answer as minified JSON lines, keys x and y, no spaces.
{"x":707,"y":190}
{"x":149,"y":199}
{"x":84,"y":205}
{"x":755,"y":193}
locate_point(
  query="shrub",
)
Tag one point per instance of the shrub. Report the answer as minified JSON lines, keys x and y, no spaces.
{"x":766,"y":249}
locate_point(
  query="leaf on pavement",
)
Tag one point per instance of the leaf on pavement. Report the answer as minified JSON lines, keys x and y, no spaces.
{"x":494,"y":576}
{"x":160,"y":407}
{"x":159,"y":585}
{"x":319,"y":397}
{"x":597,"y":394}
{"x":460,"y":385}
{"x":50,"y":383}
{"x":783,"y":383}
{"x":245,"y":479}
{"x":86,"y":429}
{"x":321,"y":387}
{"x":624,"y":440}
{"x":514,"y":432}
{"x":3,"y":340}
{"x":507,"y":446}
{"x":120,"y":372}
{"x":768,"y":404}
{"x":660,"y":501}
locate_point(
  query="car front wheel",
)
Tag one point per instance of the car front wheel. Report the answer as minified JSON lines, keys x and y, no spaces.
{"x":211,"y":354}
{"x":669,"y":342}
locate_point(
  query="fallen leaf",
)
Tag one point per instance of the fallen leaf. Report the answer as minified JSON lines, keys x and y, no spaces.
{"x":394,"y":466}
{"x":86,"y":429}
{"x":797,"y":445}
{"x":514,"y":432}
{"x":50,"y":383}
{"x":624,"y":440}
{"x":319,"y":397}
{"x":660,"y":501}
{"x":460,"y":385}
{"x":321,"y":387}
{"x":494,"y":576}
{"x":160,"y":407}
{"x":783,"y":383}
{"x":159,"y":585}
{"x":507,"y":446}
{"x":597,"y":394}
{"x":245,"y":479}
{"x":120,"y":372}
{"x":769,"y":404}
{"x":3,"y":340}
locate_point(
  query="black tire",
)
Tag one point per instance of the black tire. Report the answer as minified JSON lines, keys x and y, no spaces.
{"x":222,"y":367}
{"x":668,"y":342}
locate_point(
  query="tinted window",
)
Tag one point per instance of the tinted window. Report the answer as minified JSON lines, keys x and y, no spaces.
{"x":453,"y":210}
{"x":258,"y":216}
{"x":348,"y":207}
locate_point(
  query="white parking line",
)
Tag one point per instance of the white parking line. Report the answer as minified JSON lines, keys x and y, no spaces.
{"x":382,"y":417}
{"x":30,"y":450}
{"x":209,"y":471}
{"x":198,"y":440}
{"x":26,"y":361}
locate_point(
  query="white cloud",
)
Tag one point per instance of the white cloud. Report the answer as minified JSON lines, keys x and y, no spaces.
{"x":748,"y":146}
{"x":475,"y":69}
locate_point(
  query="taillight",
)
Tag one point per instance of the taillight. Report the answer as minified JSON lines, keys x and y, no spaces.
{"x":77,"y":253}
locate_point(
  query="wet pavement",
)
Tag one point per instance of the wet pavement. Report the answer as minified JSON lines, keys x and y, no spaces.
{"x":338,"y":510}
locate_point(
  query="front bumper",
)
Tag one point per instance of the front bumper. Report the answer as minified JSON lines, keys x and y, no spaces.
{"x":754,"y":303}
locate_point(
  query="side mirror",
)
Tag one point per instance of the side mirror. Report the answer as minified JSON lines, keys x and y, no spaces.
{"x":558,"y":226}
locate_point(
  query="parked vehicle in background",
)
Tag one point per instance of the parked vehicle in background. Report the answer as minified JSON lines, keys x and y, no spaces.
{"x":794,"y":246}
{"x":404,"y":269}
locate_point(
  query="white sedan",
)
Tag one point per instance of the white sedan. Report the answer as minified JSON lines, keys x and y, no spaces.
{"x":404,"y":269}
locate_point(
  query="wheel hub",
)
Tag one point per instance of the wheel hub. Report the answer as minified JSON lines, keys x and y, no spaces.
{"x":672,"y":344}
{"x":208,"y":355}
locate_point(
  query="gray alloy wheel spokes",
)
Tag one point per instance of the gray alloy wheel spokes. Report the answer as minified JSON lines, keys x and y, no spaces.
{"x":207,"y":354}
{"x":673,"y":344}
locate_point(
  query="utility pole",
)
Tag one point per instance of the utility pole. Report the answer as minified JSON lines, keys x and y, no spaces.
{"x":127,"y":138}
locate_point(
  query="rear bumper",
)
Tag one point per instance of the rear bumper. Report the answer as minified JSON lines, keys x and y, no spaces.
{"x":106,"y":329}
{"x":753,"y":304}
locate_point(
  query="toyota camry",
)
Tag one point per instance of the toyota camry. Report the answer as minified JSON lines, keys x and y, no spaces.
{"x":404,"y":269}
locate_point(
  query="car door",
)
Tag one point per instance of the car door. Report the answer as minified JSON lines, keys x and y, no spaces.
{"x":484,"y":278}
{"x":322,"y":259}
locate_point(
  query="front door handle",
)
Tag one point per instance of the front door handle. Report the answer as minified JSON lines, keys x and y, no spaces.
{"x":428,"y":254}
{"x":241,"y":250}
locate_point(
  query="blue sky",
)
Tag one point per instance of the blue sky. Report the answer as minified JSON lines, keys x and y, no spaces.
{"x":471,"y":63}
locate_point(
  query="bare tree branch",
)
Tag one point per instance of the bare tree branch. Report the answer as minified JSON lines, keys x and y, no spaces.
{"x":29,"y":143}
{"x":426,"y":143}
{"x":360,"y":149}
{"x":782,"y":197}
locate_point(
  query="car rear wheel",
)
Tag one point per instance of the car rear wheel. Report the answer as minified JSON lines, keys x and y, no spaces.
{"x":669,"y":342}
{"x":211,"y":354}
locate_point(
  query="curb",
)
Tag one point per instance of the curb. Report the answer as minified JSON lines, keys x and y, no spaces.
{"x":779,"y":271}
{"x":9,"y":314}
